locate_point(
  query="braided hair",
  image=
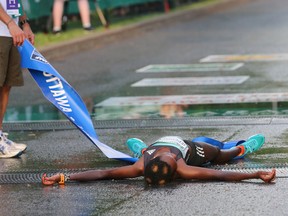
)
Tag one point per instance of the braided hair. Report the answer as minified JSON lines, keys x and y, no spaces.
{"x":158,"y":172}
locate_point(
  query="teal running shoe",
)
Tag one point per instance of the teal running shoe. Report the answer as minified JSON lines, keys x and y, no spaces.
{"x":136,"y":146}
{"x":253,"y":143}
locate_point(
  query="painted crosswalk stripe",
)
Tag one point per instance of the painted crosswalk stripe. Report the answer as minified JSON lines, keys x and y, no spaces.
{"x":246,"y":58}
{"x":194,"y":99}
{"x":198,"y":67}
{"x":189,"y":81}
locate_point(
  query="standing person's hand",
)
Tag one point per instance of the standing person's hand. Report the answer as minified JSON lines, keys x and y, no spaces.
{"x":17,"y":33}
{"x":28,"y":33}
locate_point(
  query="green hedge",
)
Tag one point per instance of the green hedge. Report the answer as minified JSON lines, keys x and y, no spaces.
{"x":42,"y":8}
{"x":108,"y":4}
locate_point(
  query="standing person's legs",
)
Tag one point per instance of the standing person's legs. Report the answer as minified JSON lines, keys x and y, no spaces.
{"x":8,"y":148}
{"x":4,"y":96}
{"x":6,"y":67}
{"x":84,"y":10}
{"x":57,"y":13}
{"x":10,"y":75}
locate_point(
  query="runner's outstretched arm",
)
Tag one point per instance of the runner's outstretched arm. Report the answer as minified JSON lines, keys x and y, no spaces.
{"x":130,"y":171}
{"x":191,"y":172}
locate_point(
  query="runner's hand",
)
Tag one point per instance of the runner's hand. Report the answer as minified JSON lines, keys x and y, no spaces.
{"x":50,"y":180}
{"x":267,"y":177}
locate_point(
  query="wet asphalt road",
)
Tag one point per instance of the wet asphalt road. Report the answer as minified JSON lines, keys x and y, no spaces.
{"x":108,"y":69}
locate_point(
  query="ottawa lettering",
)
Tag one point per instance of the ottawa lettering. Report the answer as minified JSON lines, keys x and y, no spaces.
{"x":58,"y":92}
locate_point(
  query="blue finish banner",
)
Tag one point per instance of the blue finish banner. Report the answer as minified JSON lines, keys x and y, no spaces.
{"x":56,"y":89}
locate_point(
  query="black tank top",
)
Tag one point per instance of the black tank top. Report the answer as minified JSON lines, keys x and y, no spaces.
{"x":194,"y":156}
{"x":176,"y":145}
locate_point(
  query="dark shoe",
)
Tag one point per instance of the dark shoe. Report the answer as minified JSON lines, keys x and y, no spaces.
{"x":58,"y":32}
{"x":90,"y":28}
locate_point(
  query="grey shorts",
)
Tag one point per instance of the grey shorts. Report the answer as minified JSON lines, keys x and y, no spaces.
{"x":10,"y":69}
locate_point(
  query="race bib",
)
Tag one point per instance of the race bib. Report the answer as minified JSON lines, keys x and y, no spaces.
{"x":173,"y":141}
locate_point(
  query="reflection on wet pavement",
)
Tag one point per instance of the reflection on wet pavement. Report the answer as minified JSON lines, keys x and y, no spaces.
{"x":142,"y":111}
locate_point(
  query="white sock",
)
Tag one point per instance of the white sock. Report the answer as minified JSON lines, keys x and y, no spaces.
{"x":87,"y":25}
{"x":56,"y":28}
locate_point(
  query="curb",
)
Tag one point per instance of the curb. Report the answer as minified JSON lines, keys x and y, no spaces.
{"x":151,"y":123}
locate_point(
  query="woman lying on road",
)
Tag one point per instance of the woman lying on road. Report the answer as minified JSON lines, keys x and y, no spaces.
{"x":171,"y":158}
